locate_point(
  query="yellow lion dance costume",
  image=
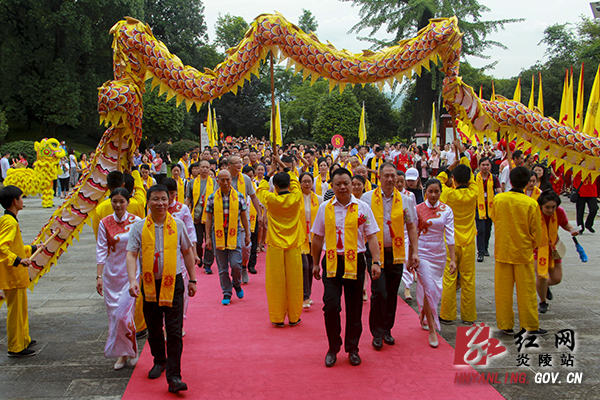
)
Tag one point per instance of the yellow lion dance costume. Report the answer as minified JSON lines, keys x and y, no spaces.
{"x":39,"y":179}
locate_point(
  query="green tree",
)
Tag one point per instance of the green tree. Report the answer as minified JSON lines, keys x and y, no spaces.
{"x":307,"y":21}
{"x":382,"y":122}
{"x":3,"y":126}
{"x":338,"y":114}
{"x":300,"y":113}
{"x":230,"y":30}
{"x":403,"y":19}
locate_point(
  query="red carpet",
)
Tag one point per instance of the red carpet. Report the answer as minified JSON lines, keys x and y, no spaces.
{"x":235,"y":353}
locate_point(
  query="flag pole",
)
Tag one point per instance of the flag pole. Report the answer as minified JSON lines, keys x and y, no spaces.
{"x":273,"y":138}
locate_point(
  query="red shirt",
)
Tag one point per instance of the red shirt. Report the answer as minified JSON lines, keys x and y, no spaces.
{"x":403,"y":162}
{"x":588,"y":189}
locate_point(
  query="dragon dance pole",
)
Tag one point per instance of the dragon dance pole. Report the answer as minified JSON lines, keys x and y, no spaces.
{"x":273,"y":133}
{"x":454,"y":133}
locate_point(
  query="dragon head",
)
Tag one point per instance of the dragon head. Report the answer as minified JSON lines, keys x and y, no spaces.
{"x":49,"y":148}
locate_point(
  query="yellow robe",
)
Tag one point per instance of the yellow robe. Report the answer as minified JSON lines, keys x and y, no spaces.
{"x":463,"y":203}
{"x":285,"y":235}
{"x":517,"y":224}
{"x":14,"y":282}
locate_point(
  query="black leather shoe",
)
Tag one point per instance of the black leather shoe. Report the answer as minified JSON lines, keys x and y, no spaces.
{"x":377,"y":343}
{"x":479,"y":257}
{"x":175,"y":385}
{"x":354,"y":358}
{"x":487,"y":253}
{"x":330,"y":359}
{"x":252,"y":270}
{"x":388,"y":339}
{"x":549,"y":295}
{"x":156,"y":371}
{"x":32,"y":343}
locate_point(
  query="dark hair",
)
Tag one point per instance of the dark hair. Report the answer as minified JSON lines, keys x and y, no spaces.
{"x":403,"y":145}
{"x":461,"y":174}
{"x":212,"y":161}
{"x":549,"y":195}
{"x":145,"y":166}
{"x":360,"y":178}
{"x":517,"y":153}
{"x":114,"y":179}
{"x":287,"y":159}
{"x":281,"y":180}
{"x":302,"y":175}
{"x":176,"y":166}
{"x":519,"y":177}
{"x":195,"y":165}
{"x":544,"y":180}
{"x":400,"y":173}
{"x":309,"y":151}
{"x":156,"y":188}
{"x":247,"y":168}
{"x":432,"y":181}
{"x":129,"y":182}
{"x":340,"y":171}
{"x":484,"y":159}
{"x":121,"y":191}
{"x":170,"y":183}
{"x":8,"y":194}
{"x":320,"y":160}
{"x":331,"y":170}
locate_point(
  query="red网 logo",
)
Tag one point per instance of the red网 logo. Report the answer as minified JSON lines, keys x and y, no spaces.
{"x":474,"y":345}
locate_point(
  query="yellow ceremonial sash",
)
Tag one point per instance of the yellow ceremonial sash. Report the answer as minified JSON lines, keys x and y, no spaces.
{"x":149,"y":257}
{"x":546,"y":245}
{"x":186,"y":174}
{"x":374,"y":176}
{"x":241,"y":184}
{"x":319,"y":185}
{"x":368,"y":186}
{"x":180,"y":190}
{"x":396,"y":228}
{"x":314,"y":208}
{"x":148,"y":182}
{"x":481,"y":197}
{"x":350,"y":241}
{"x":535,"y":193}
{"x":315,"y":169}
{"x":229,"y":228}
{"x":253,"y":214}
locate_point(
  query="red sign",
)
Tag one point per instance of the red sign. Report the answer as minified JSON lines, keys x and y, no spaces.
{"x":337,"y":141}
{"x":229,"y":139}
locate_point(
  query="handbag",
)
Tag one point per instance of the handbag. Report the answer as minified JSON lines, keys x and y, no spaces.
{"x":574,"y":197}
{"x":559,"y":250}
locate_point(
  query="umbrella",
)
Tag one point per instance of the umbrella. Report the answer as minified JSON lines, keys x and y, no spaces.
{"x":580,"y":250}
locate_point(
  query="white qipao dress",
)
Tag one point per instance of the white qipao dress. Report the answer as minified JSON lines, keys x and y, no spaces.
{"x":111,"y":251}
{"x":407,"y":277}
{"x":436,"y":230}
{"x":182,"y":212}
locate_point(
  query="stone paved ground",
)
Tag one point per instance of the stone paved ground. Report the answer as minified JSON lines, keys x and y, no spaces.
{"x":69,"y":320}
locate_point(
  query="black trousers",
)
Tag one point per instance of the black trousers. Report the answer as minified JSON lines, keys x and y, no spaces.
{"x":592,"y":204}
{"x":253,"y":248}
{"x":307,"y":264}
{"x":207,"y":256}
{"x":332,"y":306}
{"x":484,"y":231}
{"x":384,"y":296}
{"x":173,"y":317}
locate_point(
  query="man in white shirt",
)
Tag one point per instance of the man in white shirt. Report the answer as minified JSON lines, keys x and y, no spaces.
{"x":5,"y":164}
{"x":518,"y":158}
{"x":340,"y":256}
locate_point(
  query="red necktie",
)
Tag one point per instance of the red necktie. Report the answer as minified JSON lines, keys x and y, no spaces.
{"x":340,"y":245}
{"x":156,"y":255}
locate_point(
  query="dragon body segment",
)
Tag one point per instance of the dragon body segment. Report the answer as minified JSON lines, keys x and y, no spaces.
{"x":139,"y":56}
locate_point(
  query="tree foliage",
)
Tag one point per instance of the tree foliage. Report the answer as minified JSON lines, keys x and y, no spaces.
{"x":230,"y":30}
{"x":307,"y":21}
{"x":339,"y":114}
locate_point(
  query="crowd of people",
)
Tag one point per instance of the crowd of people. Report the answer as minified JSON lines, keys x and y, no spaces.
{"x":387,"y":214}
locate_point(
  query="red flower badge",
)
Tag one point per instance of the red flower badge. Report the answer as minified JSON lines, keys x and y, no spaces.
{"x":362,"y":218}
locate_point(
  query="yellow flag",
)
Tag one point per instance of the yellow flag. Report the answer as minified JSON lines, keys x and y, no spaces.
{"x":592,"y":122}
{"x":517,"y":95}
{"x":433,"y":126}
{"x":480,"y":91}
{"x":362,"y":128}
{"x":493,"y":98}
{"x":570,"y":113}
{"x":578,"y":123}
{"x":564,"y":103}
{"x":215,"y":127}
{"x":209,"y":128}
{"x":530,"y":105}
{"x":540,"y":104}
